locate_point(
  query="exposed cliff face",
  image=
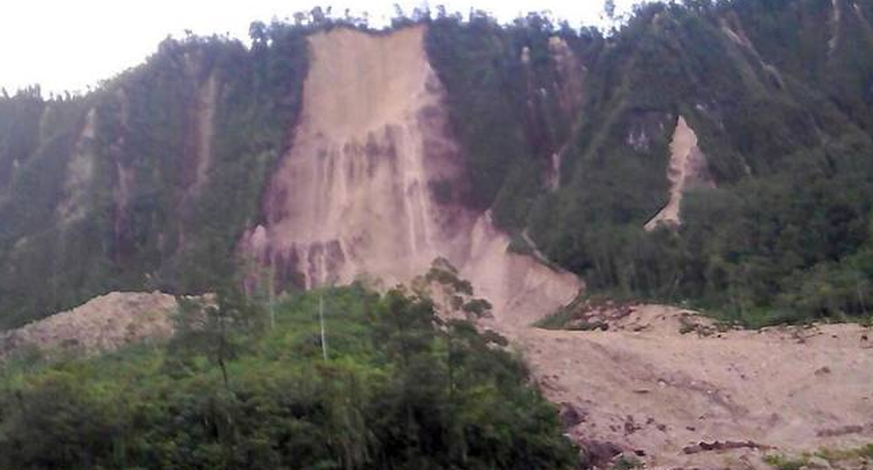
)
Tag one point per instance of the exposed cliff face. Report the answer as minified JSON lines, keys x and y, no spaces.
{"x":354,"y":195}
{"x":371,"y":184}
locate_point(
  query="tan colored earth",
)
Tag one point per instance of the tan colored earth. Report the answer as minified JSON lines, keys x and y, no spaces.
{"x":102,"y":324}
{"x":357,"y":195}
{"x":645,"y":386}
{"x":687,"y":169}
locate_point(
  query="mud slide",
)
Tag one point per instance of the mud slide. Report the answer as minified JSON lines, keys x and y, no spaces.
{"x":687,"y":168}
{"x":371,"y":185}
{"x":669,"y":387}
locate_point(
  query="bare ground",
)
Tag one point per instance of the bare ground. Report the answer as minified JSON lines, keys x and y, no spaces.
{"x":687,"y":169}
{"x":706,"y":398}
{"x":102,"y":324}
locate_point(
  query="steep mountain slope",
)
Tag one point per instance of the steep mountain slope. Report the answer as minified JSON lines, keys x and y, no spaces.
{"x":719,"y":155}
{"x":786,"y":143}
{"x":372,"y":184}
{"x":148,"y":182}
{"x":162,"y":177}
{"x":165,"y":172}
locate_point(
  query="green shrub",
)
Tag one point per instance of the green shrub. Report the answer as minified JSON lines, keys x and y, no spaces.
{"x":397,"y":391}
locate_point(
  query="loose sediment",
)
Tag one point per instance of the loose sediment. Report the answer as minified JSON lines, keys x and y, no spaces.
{"x":371,"y":185}
{"x":687,"y":168}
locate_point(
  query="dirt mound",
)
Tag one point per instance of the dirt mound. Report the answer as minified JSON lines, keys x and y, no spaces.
{"x":104,"y":323}
{"x":704,"y":397}
{"x":606,"y":315}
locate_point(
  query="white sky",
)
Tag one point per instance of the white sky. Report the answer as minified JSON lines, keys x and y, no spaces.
{"x":70,"y":44}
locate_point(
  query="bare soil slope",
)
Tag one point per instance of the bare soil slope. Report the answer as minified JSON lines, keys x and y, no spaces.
{"x":687,"y":170}
{"x":372,"y":184}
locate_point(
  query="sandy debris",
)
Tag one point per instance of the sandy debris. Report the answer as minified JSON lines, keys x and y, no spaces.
{"x":353,"y":195}
{"x":687,"y":169}
{"x":521,"y":288}
{"x":102,"y":324}
{"x":651,"y":385}
{"x":371,"y":185}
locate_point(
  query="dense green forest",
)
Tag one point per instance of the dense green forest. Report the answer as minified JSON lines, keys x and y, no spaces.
{"x":399,"y":389}
{"x":784,"y":120}
{"x":779,"y":93}
{"x":786,"y":129}
{"x":140,"y":220}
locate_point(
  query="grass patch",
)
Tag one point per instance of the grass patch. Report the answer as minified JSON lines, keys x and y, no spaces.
{"x":782,"y":462}
{"x":842,"y":455}
{"x":833,"y":456}
{"x":627,"y":463}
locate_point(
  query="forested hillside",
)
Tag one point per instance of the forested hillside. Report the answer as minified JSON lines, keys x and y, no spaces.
{"x":780,"y":95}
{"x":394,"y":388}
{"x":149,"y":181}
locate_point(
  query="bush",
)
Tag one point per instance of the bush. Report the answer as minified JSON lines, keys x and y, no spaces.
{"x":397,"y":391}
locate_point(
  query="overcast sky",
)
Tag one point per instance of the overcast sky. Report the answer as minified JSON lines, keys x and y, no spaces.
{"x":68,"y":45}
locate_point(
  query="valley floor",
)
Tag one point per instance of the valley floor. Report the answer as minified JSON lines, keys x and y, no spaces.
{"x":662,"y":384}
{"x":678,"y":400}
